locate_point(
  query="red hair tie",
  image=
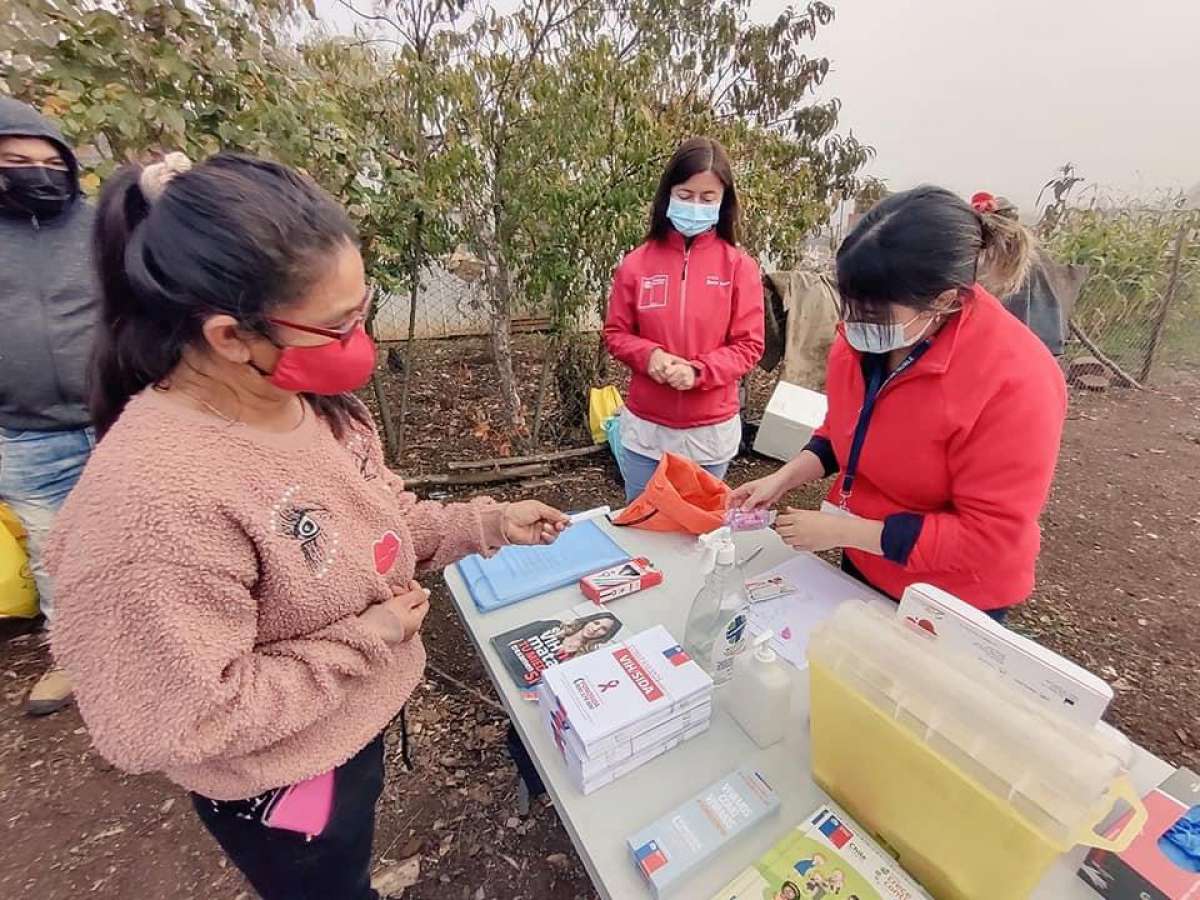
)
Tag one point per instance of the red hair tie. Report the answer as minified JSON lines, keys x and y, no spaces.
{"x":983,"y":202}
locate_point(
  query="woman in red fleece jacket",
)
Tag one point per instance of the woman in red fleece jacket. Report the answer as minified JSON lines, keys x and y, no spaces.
{"x":686,"y":315}
{"x":945,"y":411}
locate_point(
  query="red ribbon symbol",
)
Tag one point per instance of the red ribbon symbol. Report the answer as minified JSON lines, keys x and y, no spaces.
{"x":606,"y":685}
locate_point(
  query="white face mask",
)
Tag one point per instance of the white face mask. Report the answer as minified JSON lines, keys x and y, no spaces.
{"x":876,"y":337}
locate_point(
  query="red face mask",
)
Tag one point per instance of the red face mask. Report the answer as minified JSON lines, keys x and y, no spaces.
{"x":340,"y":366}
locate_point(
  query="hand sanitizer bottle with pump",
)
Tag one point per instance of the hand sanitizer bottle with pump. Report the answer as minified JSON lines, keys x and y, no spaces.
{"x":716,"y":626}
{"x":760,"y":697}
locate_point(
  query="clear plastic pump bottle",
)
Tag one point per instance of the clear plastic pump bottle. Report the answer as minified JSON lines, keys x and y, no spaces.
{"x":716,"y":626}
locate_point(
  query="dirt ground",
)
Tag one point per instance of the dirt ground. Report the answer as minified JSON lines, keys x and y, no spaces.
{"x":1118,"y":577}
{"x":1116,"y":592}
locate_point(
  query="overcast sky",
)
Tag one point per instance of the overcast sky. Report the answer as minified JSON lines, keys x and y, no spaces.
{"x":985,"y":95}
{"x":995,"y":94}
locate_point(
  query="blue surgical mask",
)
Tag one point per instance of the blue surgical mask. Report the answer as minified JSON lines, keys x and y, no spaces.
{"x":876,"y":337}
{"x":691,"y":219}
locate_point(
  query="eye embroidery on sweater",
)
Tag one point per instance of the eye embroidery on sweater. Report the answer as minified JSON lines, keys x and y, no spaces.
{"x":304,"y":523}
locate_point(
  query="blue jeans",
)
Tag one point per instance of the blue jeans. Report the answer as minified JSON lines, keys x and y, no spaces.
{"x":637,"y":469}
{"x":37,"y":471}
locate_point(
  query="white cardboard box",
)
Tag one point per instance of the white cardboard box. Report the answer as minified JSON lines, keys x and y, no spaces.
{"x":1062,"y":686}
{"x":792,"y":415}
{"x":616,"y":689}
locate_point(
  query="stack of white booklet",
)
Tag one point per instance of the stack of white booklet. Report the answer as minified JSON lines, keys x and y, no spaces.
{"x":622,"y":705}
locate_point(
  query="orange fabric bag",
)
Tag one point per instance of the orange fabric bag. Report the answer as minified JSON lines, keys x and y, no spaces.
{"x":680,"y":496}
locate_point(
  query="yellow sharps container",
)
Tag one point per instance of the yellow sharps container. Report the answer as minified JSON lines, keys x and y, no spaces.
{"x":974,"y":787}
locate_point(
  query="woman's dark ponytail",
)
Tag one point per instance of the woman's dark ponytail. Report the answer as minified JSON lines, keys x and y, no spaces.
{"x":1008,"y":251}
{"x":129,"y":356}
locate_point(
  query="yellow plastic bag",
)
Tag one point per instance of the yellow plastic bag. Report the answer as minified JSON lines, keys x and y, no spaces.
{"x":603,"y":404}
{"x":18,"y":593}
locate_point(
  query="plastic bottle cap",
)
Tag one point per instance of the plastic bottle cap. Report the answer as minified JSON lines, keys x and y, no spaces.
{"x":762,"y":647}
{"x":713,"y":544}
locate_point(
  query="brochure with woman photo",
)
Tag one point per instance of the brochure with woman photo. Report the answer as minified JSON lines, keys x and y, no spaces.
{"x":530,"y":649}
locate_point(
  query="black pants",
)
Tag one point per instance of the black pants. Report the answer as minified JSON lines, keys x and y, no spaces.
{"x":852,"y":570}
{"x":285,"y":865}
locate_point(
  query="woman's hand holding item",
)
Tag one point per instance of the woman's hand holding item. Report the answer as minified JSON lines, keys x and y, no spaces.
{"x":400,"y":618}
{"x":532,"y":522}
{"x":803,"y":529}
{"x":761,"y":493}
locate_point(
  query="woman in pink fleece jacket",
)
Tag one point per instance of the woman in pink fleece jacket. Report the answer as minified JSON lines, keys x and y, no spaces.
{"x":237,"y":607}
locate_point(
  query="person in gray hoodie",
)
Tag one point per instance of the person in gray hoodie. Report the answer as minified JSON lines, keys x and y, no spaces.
{"x":49,"y":301}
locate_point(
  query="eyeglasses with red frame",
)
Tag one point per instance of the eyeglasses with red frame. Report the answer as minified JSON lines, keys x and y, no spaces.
{"x":338,"y":334}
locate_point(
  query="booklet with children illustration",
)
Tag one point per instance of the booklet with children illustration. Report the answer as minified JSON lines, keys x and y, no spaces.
{"x":827,"y":858}
{"x":529,"y":649}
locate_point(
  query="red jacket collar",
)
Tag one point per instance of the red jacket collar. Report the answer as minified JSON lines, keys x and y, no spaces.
{"x":675,"y":240}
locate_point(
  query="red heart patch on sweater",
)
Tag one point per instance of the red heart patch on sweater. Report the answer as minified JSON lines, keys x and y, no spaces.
{"x":387,"y":548}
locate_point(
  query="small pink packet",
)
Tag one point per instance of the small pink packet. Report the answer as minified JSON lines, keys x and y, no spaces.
{"x":749,"y":519}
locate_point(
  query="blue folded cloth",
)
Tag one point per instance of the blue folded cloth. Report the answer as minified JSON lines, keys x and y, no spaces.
{"x":518,"y":573}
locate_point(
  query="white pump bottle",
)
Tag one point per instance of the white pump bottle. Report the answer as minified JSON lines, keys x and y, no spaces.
{"x":760,"y":696}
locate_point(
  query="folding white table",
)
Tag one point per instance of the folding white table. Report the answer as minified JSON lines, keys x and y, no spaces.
{"x":599,"y":823}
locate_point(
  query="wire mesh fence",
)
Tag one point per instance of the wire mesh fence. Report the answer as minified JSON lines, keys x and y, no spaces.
{"x":447,"y":306}
{"x":436,"y":391}
{"x":454,"y":412}
{"x":1138,"y":312}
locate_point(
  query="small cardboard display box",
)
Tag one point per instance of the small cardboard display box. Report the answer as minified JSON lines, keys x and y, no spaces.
{"x":792,"y":415}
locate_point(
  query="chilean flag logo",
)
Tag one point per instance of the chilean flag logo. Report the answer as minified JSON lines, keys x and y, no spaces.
{"x":676,"y":656}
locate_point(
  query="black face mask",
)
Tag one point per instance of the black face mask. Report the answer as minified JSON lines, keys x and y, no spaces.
{"x":36,"y":190}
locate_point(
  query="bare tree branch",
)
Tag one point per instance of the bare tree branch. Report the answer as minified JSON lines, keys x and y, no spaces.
{"x":370,"y":17}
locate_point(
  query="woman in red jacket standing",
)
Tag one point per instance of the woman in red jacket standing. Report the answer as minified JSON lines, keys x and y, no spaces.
{"x":686,"y":315}
{"x":945,"y":411}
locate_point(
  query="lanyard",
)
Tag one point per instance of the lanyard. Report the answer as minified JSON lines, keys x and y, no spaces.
{"x":876,"y":382}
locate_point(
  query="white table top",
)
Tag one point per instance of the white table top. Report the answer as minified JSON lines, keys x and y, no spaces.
{"x":599,"y":823}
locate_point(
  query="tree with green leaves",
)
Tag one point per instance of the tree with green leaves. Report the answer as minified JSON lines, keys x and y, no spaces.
{"x":533,"y":137}
{"x":571,"y":108}
{"x":390,"y":83}
{"x":133,"y":76}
